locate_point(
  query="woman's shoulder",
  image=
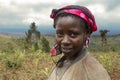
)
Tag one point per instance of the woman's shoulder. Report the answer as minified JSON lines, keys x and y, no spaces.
{"x":94,"y":68}
{"x":91,"y":62}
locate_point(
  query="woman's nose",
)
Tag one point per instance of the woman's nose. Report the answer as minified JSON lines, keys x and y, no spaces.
{"x":65,"y":40}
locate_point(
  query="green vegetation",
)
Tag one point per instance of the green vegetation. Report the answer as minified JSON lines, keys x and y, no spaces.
{"x":20,"y":62}
{"x":113,"y":44}
{"x":45,"y":45}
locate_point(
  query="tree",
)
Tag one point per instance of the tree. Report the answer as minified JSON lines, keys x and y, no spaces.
{"x":103,"y":37}
{"x":33,"y":36}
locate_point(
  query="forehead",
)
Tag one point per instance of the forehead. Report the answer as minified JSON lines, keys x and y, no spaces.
{"x":69,"y":24}
{"x":69,"y":16}
{"x":70,"y":21}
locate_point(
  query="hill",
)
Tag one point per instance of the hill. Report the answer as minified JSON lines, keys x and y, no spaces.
{"x":17,"y":65}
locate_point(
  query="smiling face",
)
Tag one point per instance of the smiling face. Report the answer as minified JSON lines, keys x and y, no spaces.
{"x":70,"y":35}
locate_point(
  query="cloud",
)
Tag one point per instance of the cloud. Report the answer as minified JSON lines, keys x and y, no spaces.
{"x":23,"y":12}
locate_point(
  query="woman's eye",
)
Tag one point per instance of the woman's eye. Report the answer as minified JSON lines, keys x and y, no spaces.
{"x":73,"y":35}
{"x":59,"y":34}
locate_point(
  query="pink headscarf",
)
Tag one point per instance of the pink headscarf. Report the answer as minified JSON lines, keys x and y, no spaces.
{"x":79,"y":11}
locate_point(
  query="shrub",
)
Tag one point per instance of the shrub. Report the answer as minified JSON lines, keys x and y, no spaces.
{"x":45,"y":45}
{"x":107,"y":61}
{"x":15,"y":60}
{"x":13,"y":64}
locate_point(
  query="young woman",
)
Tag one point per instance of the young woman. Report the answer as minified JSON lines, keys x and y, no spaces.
{"x":74,"y":24}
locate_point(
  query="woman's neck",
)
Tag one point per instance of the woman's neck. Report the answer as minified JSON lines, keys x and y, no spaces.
{"x":80,"y":53}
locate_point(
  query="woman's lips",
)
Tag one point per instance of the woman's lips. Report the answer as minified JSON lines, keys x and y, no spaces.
{"x":66,"y":49}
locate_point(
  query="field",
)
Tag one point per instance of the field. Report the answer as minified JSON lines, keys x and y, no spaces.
{"x":15,"y":64}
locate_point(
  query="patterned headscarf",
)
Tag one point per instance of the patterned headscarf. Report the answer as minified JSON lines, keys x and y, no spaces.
{"x":79,"y":11}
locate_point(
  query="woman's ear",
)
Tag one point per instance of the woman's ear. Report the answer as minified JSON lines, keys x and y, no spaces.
{"x":87,"y":34}
{"x":87,"y":39}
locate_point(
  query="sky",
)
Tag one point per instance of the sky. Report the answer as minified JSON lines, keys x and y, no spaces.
{"x":21,"y":13}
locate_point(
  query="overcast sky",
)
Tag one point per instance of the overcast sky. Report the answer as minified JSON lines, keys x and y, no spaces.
{"x":17,"y":13}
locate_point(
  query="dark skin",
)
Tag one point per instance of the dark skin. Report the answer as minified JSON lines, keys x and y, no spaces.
{"x":70,"y":35}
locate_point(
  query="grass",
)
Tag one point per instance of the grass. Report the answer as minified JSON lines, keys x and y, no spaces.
{"x":37,"y":66}
{"x":27,"y":67}
{"x":17,"y":65}
{"x":111,"y":63}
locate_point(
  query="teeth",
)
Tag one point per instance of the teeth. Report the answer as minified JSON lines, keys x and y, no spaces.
{"x":66,"y":49}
